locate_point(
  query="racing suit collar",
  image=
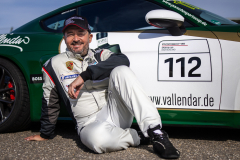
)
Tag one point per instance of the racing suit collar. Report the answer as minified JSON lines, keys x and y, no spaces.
{"x":78,"y":56}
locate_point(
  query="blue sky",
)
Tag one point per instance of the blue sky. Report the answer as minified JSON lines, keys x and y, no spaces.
{"x":15,"y":13}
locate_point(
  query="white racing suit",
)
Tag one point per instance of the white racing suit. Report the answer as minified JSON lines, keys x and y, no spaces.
{"x":104,"y":109}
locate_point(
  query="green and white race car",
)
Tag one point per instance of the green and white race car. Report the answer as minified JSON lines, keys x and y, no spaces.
{"x":185,"y":57}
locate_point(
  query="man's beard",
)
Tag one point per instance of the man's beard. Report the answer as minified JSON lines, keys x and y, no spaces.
{"x":82,"y":52}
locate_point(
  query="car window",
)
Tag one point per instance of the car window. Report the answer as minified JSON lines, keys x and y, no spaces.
{"x":118,"y":15}
{"x":215,"y":19}
{"x":107,"y":16}
{"x":56,"y":22}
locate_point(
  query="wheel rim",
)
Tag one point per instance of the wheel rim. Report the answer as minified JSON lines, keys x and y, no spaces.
{"x":7,"y":94}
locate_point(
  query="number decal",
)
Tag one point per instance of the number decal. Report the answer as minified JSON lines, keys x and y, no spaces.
{"x":190,"y":73}
{"x":170,"y":60}
{"x":182,"y":60}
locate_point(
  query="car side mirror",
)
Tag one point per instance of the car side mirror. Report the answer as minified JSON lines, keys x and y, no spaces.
{"x":170,"y":20}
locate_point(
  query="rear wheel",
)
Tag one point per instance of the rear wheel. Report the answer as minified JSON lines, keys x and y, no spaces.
{"x":14,"y":98}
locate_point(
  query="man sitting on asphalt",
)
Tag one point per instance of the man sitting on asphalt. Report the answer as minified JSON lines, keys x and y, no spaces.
{"x":101,"y":94}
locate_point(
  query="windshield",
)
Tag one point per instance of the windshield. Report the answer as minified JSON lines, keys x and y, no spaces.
{"x":212,"y":18}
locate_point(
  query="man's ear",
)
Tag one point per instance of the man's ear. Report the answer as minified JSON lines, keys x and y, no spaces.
{"x":90,"y":38}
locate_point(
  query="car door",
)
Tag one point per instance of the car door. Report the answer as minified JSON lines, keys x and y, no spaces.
{"x":181,"y":72}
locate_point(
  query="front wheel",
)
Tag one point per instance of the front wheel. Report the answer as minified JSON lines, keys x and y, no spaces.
{"x":14,"y":98}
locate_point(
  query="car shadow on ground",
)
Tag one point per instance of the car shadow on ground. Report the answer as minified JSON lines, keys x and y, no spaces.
{"x":203,"y":133}
{"x":200,"y":132}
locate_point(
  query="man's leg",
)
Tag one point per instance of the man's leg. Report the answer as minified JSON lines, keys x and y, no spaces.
{"x":125,"y":88}
{"x":111,"y":131}
{"x":102,"y":136}
{"x":126,"y":98}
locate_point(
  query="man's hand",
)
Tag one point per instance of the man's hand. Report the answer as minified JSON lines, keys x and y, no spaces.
{"x":35,"y":138}
{"x":76,"y":85}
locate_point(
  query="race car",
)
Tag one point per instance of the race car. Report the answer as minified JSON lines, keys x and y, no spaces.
{"x":185,"y":57}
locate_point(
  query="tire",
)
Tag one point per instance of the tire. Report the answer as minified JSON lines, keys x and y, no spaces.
{"x":14,"y":98}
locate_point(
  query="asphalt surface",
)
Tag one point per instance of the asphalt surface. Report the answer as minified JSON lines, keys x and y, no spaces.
{"x":192,"y":142}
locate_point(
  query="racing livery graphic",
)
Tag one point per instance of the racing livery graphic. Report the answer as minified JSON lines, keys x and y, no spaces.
{"x":13,"y":42}
{"x":185,"y":57}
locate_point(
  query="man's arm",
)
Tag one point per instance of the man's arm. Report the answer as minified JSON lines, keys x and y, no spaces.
{"x":35,"y":138}
{"x":50,"y":110}
{"x":107,"y":61}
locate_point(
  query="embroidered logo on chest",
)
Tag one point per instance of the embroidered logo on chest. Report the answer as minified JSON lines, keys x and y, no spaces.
{"x":69,"y":65}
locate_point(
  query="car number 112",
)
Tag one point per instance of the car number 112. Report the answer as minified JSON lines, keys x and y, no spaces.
{"x":182,"y":61}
